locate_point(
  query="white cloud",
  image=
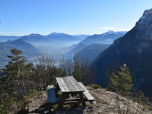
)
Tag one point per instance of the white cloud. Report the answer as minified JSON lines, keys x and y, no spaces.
{"x":128,"y":29}
{"x":115,"y":29}
{"x":107,"y":28}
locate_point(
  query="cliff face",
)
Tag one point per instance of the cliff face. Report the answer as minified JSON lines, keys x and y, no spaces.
{"x":134,"y":49}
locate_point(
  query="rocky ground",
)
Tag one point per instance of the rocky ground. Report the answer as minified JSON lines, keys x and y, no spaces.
{"x":106,"y":103}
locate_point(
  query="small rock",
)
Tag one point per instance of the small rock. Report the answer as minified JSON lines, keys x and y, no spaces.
{"x":94,"y":102}
{"x":99,"y":111}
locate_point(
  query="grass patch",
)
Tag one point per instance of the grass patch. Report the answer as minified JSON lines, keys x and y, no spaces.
{"x":95,"y":86}
{"x":98,"y":101}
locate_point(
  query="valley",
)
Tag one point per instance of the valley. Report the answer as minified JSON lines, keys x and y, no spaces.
{"x":57,"y":45}
{"x":76,"y":56}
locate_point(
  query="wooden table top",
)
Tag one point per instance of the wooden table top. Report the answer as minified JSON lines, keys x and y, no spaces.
{"x":69,"y":84}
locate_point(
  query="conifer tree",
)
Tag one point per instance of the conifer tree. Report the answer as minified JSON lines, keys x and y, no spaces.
{"x":17,"y":72}
{"x":77,"y":72}
{"x":122,"y":82}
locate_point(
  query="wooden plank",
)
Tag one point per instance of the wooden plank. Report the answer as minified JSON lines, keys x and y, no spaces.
{"x":50,"y":86}
{"x":86,"y":93}
{"x":69,"y":84}
{"x":75,"y":99}
{"x":82,"y":86}
{"x":77,"y":83}
{"x":74,"y":84}
{"x":64,"y":85}
{"x":60,"y":84}
{"x":51,"y":94}
{"x":72,"y":102}
{"x":89,"y":96}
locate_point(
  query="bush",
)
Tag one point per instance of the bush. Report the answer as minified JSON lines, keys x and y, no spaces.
{"x":5,"y":105}
{"x":98,"y":101}
{"x":95,"y":86}
{"x":54,"y":106}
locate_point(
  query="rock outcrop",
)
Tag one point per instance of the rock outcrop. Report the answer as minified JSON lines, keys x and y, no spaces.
{"x":134,"y":49}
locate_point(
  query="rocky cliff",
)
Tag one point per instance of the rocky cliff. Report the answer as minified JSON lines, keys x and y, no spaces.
{"x":134,"y":49}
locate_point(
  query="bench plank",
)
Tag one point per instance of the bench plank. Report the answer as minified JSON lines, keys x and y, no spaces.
{"x":51,"y":94}
{"x":86,"y":93}
{"x":89,"y":96}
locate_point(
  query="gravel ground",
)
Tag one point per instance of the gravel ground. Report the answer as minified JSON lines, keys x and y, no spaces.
{"x":106,"y":103}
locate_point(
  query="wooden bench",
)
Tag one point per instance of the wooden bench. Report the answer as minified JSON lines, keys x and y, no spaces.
{"x":86,"y":93}
{"x":51,"y":94}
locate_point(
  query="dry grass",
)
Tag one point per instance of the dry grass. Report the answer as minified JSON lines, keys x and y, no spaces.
{"x":112,"y":103}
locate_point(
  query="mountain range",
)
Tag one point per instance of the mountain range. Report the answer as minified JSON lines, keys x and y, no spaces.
{"x":28,"y":50}
{"x":105,"y":38}
{"x":6,"y":38}
{"x":82,"y":36}
{"x":133,"y":49}
{"x":92,"y":51}
{"x":36,"y":39}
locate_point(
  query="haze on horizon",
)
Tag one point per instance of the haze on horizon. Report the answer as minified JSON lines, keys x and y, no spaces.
{"x":20,"y":18}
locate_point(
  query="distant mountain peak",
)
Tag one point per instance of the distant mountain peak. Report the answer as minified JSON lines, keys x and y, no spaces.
{"x":34,"y":34}
{"x":145,"y":17}
{"x":110,"y":31}
{"x":115,"y":32}
{"x":55,"y":33}
{"x":134,"y":49}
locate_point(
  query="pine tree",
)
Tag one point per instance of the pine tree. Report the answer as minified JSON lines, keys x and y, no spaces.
{"x":4,"y":106}
{"x":122,"y":82}
{"x":17,"y":72}
{"x":77,"y":72}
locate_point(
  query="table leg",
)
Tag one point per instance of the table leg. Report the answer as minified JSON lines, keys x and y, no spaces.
{"x":82,"y":98}
{"x":56,"y":90}
{"x":63,"y":97}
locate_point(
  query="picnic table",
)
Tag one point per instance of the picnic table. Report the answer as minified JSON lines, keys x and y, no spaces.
{"x":68,"y":85}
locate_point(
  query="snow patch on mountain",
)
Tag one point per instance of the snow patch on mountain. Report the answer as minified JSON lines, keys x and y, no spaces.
{"x":144,"y":18}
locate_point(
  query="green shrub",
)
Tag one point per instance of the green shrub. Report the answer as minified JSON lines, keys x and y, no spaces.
{"x":54,"y":106}
{"x":4,"y":106}
{"x":150,"y":108}
{"x":95,"y":86}
{"x":80,"y":104}
{"x":98,"y":101}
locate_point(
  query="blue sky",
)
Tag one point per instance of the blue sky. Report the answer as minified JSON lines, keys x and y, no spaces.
{"x":23,"y":17}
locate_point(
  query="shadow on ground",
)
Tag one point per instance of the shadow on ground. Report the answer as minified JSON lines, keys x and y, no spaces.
{"x":75,"y":109}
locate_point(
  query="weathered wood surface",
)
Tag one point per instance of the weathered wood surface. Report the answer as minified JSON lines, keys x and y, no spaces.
{"x":69,"y":84}
{"x":60,"y":84}
{"x":51,"y":94}
{"x":89,"y":96}
{"x":86,"y":93}
{"x":82,"y":86}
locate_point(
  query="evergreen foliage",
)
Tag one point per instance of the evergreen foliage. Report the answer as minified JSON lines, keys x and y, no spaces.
{"x":77,"y":73}
{"x":22,"y":79}
{"x":18,"y":73}
{"x":5,"y":105}
{"x":122,"y":82}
